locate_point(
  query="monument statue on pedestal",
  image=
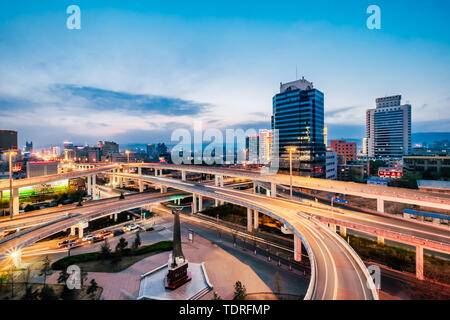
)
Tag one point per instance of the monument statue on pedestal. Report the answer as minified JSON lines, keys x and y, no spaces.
{"x":178,"y":266}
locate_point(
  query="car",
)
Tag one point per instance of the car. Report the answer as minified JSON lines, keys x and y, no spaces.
{"x":95,"y":239}
{"x":118,"y":232}
{"x":131,"y":227}
{"x":66,"y":243}
{"x":73,"y":245}
{"x":108,"y":234}
{"x":88,"y":237}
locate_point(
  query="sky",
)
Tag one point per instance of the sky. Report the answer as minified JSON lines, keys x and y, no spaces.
{"x":138,"y":70}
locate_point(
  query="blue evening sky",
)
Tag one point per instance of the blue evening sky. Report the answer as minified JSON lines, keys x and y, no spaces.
{"x":137,"y":70}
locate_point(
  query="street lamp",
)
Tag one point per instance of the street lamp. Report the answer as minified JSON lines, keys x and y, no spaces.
{"x":290,"y":150}
{"x":245,"y":156}
{"x":10,"y":153}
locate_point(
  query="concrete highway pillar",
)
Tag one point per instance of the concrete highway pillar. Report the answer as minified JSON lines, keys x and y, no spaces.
{"x":343,"y":231}
{"x":94,"y":185}
{"x":254,"y":187}
{"x":256,"y":219}
{"x":380,"y":240}
{"x":156,"y":172}
{"x":419,"y":262}
{"x":15,"y":202}
{"x":89,"y":185}
{"x":200,"y":203}
{"x":249,"y":220}
{"x":183,"y":175}
{"x":139,"y":170}
{"x":297,"y":248}
{"x":216,"y":204}
{"x":72,"y":230}
{"x":141,"y":185}
{"x":115,"y":216}
{"x":113,"y":177}
{"x":273,"y":190}
{"x":194,"y":203}
{"x":380,"y":205}
{"x":221,"y":181}
{"x":333,"y":227}
{"x":80,"y":230}
{"x":216,"y":181}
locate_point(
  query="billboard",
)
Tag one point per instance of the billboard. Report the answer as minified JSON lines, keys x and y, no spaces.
{"x":57,"y":186}
{"x":8,"y":140}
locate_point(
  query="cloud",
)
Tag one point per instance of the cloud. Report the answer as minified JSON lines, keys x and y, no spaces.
{"x":87,"y":114}
{"x":101,"y":99}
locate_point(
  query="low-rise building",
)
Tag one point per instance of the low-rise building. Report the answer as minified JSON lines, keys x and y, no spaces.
{"x":435,"y":164}
{"x":434,"y":186}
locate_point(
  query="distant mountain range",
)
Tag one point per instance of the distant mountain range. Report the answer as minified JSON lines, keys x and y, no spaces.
{"x":429,"y":137}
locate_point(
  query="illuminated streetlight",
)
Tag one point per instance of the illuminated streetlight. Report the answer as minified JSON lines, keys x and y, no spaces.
{"x":245,"y":156}
{"x":290,"y":149}
{"x":10,"y":153}
{"x":15,"y":257}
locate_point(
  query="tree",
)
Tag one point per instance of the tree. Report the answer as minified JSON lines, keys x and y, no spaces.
{"x":80,"y":203}
{"x":239,"y":291}
{"x":137,"y":241}
{"x":105,"y":250}
{"x":121,"y":245}
{"x":47,"y":293}
{"x":216,"y":296}
{"x":83,"y":277}
{"x":121,"y":196}
{"x":46,"y":270}
{"x":92,"y":288}
{"x":30,"y":294}
{"x":63,"y":276}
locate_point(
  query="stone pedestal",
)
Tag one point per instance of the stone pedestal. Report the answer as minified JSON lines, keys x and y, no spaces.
{"x":177,"y":276}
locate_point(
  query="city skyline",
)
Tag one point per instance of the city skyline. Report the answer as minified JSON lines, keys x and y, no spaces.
{"x":176,"y":64}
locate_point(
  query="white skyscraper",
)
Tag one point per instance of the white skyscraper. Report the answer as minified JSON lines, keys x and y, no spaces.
{"x":265,"y":146}
{"x":388,"y":128}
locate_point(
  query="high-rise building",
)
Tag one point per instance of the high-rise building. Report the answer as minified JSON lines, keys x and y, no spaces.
{"x":265,"y":146}
{"x":29,"y":146}
{"x":325,"y":135}
{"x":345,"y":149}
{"x":331,"y":165}
{"x":252,"y":145}
{"x":388,"y":128}
{"x":298,"y":115}
{"x":109,"y":147}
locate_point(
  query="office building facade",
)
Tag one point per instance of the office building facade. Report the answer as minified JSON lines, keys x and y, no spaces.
{"x":388,"y":128}
{"x":331,"y":165}
{"x":345,"y":149}
{"x":298,"y":115}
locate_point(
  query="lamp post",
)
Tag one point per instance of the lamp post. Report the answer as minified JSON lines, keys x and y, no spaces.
{"x":10,"y":153}
{"x":245,"y":156}
{"x":291,"y":150}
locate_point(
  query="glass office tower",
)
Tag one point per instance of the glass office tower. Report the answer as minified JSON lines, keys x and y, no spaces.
{"x":298,"y":115}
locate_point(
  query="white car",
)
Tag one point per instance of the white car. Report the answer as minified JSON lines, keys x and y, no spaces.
{"x":131,"y":227}
{"x":88,"y":237}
